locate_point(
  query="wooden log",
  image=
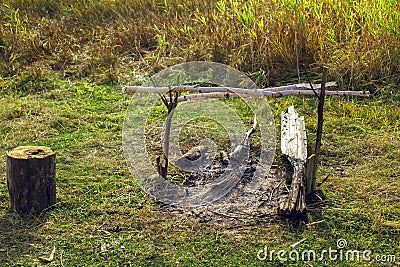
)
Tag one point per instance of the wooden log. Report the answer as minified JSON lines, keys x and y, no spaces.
{"x":294,"y":148}
{"x":31,"y":173}
{"x":293,"y":134}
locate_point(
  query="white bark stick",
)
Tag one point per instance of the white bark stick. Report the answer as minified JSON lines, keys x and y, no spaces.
{"x":230,"y":92}
{"x":199,"y":89}
{"x":220,"y":95}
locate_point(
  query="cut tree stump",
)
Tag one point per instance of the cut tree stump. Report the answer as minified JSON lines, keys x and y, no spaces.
{"x":31,"y":178}
{"x":294,"y":149}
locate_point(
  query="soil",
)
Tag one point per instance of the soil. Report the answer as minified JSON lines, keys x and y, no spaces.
{"x":241,"y":204}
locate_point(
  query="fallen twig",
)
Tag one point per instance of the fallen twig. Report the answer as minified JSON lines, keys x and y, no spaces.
{"x":61,"y":259}
{"x":251,"y":131}
{"x":317,"y":222}
{"x":298,"y":243}
{"x":273,"y":191}
{"x":324,"y":180}
{"x":227,"y":215}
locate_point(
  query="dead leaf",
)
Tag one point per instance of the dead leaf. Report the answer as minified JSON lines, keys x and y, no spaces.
{"x":103,"y":248}
{"x":105,"y":232}
{"x":50,"y":258}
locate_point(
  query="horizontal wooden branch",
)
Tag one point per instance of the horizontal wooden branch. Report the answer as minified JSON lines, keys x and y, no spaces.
{"x":225,"y":95}
{"x":310,"y":92}
{"x":203,"y":93}
{"x":199,"y":89}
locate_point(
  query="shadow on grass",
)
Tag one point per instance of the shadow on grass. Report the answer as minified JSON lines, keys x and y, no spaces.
{"x":18,"y":235}
{"x":298,"y":222}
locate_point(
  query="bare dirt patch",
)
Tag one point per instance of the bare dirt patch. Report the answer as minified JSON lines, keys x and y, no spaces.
{"x":241,"y":204}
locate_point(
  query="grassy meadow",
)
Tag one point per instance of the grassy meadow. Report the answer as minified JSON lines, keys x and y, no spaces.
{"x":62,"y":65}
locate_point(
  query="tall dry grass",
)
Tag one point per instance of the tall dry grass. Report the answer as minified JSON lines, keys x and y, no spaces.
{"x":109,"y":39}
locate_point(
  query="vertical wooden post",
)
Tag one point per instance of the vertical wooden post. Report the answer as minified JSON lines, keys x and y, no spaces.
{"x":162,"y":164}
{"x":310,"y":172}
{"x":31,"y":174}
{"x":314,"y":161}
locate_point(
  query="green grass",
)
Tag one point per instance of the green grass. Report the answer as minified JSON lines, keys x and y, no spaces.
{"x":95,"y":192}
{"x":61,"y":67}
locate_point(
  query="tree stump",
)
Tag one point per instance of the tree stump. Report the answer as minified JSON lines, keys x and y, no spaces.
{"x":31,"y":178}
{"x":294,"y":148}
